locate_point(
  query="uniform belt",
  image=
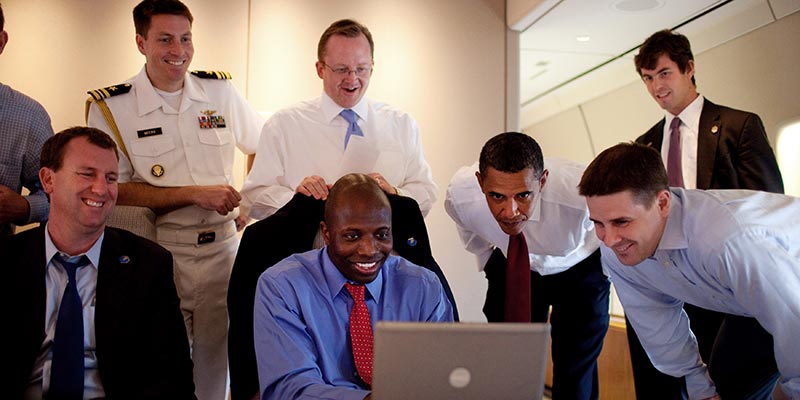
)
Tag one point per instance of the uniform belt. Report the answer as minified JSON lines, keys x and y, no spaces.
{"x":197,"y":235}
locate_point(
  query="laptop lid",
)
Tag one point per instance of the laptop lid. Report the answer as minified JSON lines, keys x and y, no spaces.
{"x":417,"y":360}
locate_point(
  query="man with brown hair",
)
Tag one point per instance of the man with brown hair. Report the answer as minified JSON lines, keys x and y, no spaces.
{"x":94,"y":309}
{"x":178,"y":132}
{"x":731,"y":251}
{"x":704,"y":146}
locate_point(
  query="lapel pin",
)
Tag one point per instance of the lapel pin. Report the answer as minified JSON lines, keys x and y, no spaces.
{"x":411,"y":241}
{"x":124,"y":259}
{"x":714,"y":129}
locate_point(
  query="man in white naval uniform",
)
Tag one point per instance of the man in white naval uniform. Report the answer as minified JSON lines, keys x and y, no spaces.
{"x":177,"y":133}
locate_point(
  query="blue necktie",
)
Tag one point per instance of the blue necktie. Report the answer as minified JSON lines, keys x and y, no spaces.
{"x":66,"y":374}
{"x":352,"y":129}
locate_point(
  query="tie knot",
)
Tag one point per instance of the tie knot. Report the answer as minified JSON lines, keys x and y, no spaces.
{"x":676,"y":122}
{"x":71,"y":264}
{"x":356,"y":291}
{"x":349,"y":115}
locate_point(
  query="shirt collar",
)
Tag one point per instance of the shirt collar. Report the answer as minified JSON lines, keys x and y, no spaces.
{"x":331,"y":110}
{"x":690,"y":116}
{"x":336,"y":280}
{"x":148,"y":100}
{"x":93,"y":254}
{"x":673,"y":237}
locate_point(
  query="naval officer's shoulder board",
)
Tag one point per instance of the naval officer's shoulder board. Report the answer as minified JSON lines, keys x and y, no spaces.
{"x":98,"y":97}
{"x":222,"y":75}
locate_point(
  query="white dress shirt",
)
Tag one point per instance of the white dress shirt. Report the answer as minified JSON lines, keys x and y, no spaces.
{"x":189,"y":155}
{"x":559,"y":233}
{"x":732,"y":251}
{"x":689,"y":128}
{"x":308,"y":139}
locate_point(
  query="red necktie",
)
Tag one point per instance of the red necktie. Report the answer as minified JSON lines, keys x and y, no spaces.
{"x":361,"y":333}
{"x":674,"y":167}
{"x":518,"y":281}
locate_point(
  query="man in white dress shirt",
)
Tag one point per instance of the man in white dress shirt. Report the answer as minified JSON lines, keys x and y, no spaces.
{"x":561,"y":267}
{"x":308,"y":146}
{"x":178,"y":133}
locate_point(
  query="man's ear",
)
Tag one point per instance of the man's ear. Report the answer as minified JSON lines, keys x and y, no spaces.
{"x":662,"y":202}
{"x":325,"y":234}
{"x":3,"y":40}
{"x":480,"y":179}
{"x":140,"y":44}
{"x":320,"y":68}
{"x":543,"y":179}
{"x":46,"y":176}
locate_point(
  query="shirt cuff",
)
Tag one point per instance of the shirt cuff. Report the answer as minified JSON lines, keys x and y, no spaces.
{"x":39,"y":207}
{"x":699,"y":384}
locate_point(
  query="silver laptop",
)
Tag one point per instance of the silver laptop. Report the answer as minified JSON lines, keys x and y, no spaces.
{"x":417,"y":360}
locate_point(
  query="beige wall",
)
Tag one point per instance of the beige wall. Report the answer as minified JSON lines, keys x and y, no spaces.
{"x":755,"y":72}
{"x":442,"y":61}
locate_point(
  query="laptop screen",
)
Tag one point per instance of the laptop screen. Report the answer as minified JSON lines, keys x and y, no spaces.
{"x":417,"y":360}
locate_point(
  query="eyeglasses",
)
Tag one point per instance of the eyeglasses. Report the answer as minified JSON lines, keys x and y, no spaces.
{"x":360,"y":71}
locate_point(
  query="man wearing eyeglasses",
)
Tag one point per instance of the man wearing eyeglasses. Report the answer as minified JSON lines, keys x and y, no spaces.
{"x":308,"y":146}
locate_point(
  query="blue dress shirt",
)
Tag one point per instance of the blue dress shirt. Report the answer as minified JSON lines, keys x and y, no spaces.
{"x":732,"y":251}
{"x":302,"y":312}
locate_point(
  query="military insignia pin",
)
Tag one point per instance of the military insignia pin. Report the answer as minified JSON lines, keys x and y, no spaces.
{"x":124,"y":259}
{"x":411,"y":241}
{"x":157,"y":170}
{"x":210,"y":121}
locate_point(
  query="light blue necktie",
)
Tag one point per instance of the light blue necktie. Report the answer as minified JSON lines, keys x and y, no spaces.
{"x":66,"y":374}
{"x":353,"y":128}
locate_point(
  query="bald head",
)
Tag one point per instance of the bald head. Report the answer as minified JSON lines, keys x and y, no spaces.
{"x":353,"y":188}
{"x":358,"y":227}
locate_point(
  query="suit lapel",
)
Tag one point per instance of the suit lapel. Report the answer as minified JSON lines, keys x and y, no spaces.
{"x":654,"y":136}
{"x":707,"y":140}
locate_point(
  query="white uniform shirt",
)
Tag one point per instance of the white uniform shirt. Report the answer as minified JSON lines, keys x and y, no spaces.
{"x":559,"y":233}
{"x":308,"y":139}
{"x":157,"y":135}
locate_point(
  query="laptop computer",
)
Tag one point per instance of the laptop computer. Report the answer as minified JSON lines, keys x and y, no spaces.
{"x":417,"y":360}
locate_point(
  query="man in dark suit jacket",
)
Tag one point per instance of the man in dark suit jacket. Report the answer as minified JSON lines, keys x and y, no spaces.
{"x":134,"y":340}
{"x":291,"y":230}
{"x":721,"y":148}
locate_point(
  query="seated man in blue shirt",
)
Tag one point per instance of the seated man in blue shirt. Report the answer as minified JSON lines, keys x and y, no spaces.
{"x":732,"y":251}
{"x":303,"y":303}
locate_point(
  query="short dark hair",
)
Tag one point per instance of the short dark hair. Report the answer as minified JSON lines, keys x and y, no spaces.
{"x":144,"y":12}
{"x":511,"y":152}
{"x":626,"y":166}
{"x":53,"y":149}
{"x":674,"y":45}
{"x":348,"y":28}
{"x":354,"y":186}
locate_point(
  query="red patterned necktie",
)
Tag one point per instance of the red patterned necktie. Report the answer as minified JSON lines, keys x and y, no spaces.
{"x":361,"y":333}
{"x":517,"y":306}
{"x":674,"y":167}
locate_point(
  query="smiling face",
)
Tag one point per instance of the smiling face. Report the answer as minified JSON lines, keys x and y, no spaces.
{"x":672,"y":89}
{"x":359,"y":236}
{"x":511,"y":196}
{"x":342,"y":52}
{"x":628,"y":227}
{"x":83,"y":191}
{"x":168,"y":49}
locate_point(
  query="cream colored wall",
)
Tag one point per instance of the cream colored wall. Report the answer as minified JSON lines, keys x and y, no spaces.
{"x":442,"y":61}
{"x":59,"y":49}
{"x":755,"y":72}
